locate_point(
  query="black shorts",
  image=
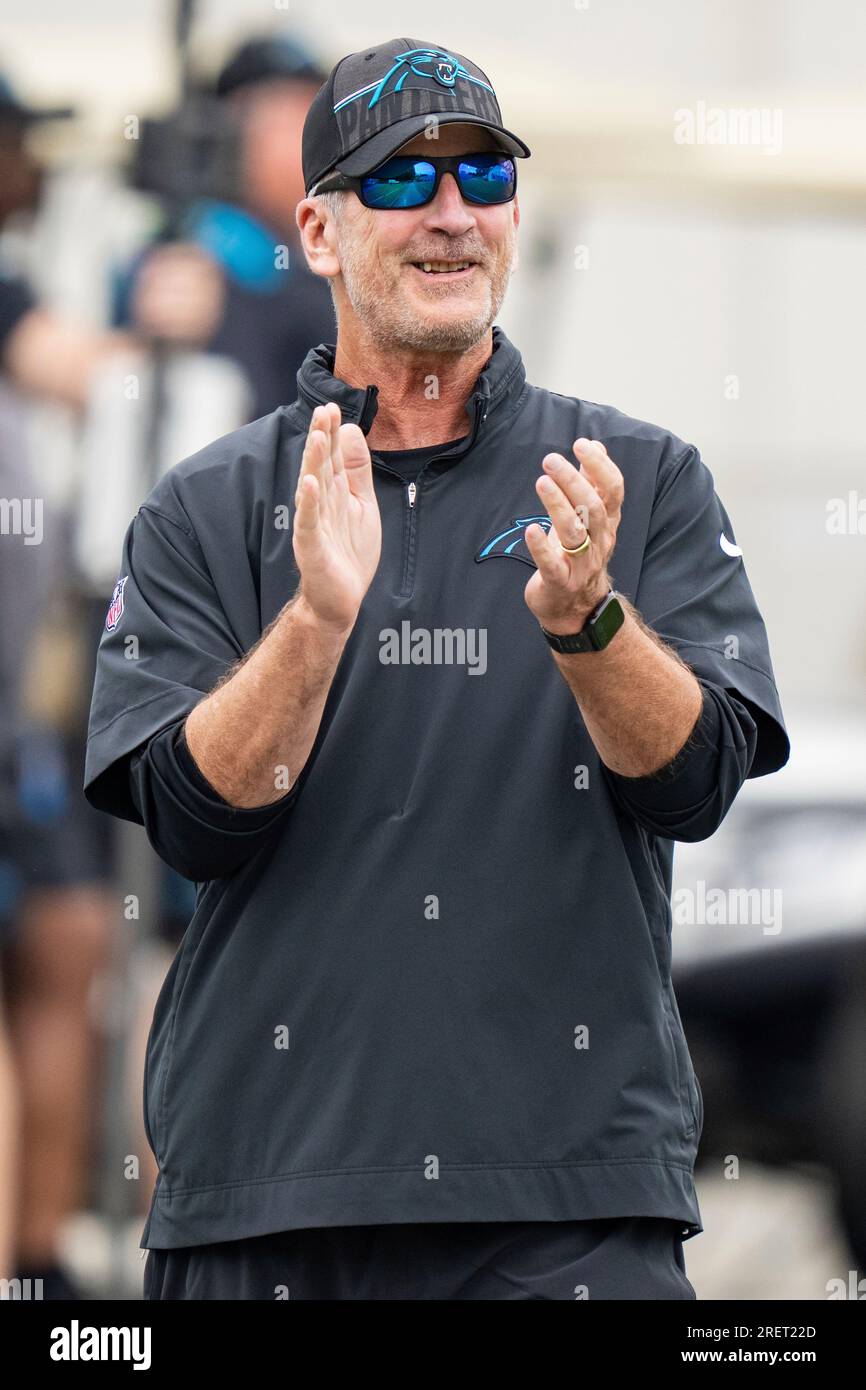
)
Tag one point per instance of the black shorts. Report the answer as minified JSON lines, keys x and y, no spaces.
{"x":619,"y":1258}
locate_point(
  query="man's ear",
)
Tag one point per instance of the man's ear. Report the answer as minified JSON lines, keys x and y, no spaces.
{"x":318,"y":238}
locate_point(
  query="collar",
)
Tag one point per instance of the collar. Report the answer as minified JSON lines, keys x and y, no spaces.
{"x":497,"y":389}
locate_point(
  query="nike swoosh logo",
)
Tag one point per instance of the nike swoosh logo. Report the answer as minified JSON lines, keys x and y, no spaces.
{"x":728,"y":546}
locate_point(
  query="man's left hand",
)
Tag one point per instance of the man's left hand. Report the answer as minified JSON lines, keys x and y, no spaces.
{"x":566,"y":588}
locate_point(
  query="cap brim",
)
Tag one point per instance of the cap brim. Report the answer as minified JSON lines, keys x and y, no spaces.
{"x":387,"y":142}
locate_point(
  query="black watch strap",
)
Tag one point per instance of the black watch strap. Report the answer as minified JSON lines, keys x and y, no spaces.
{"x":601,"y":625}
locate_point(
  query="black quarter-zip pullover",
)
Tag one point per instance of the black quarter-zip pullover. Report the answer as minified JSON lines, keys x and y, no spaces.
{"x":433,"y":983}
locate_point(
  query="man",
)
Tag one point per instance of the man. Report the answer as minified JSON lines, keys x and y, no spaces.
{"x":228,"y":285}
{"x":420,"y":1040}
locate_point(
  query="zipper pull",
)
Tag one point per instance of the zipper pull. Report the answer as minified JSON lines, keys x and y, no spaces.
{"x":411,"y":489}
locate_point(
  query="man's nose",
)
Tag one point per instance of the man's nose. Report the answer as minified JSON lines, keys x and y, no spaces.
{"x":448,"y":211}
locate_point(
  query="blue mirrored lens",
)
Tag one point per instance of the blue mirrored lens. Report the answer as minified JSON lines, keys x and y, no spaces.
{"x":487,"y":178}
{"x":400,"y":183}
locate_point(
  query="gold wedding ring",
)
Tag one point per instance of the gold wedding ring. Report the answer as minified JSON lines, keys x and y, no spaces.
{"x":584,"y":545}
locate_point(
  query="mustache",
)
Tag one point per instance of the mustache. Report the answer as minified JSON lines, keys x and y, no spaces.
{"x":453,"y":251}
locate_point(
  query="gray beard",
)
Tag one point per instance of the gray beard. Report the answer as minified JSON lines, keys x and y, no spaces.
{"x":395,"y":326}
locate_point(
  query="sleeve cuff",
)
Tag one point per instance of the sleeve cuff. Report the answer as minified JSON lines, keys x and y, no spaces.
{"x":193,"y":774}
{"x":690,"y":795}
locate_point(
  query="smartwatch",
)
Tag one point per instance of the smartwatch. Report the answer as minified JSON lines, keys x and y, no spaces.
{"x":602,"y":624}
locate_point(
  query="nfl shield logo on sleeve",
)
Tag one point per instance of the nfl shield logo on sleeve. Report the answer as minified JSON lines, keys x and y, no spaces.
{"x":115,"y":608}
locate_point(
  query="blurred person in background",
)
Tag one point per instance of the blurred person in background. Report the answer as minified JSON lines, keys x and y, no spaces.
{"x":55,"y":911}
{"x":42,"y":352}
{"x":225,"y":287}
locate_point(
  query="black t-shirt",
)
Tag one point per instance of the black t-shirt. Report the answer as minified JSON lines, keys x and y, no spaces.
{"x":409,"y":462}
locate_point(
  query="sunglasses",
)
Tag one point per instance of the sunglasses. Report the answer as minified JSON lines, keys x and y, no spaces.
{"x":411,"y":181}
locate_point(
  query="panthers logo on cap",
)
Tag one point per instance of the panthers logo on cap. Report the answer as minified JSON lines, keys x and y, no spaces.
{"x":432,"y":63}
{"x":445,"y":72}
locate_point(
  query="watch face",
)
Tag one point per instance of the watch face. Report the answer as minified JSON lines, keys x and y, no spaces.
{"x":608,"y":622}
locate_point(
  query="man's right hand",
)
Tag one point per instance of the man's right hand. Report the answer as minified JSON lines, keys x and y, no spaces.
{"x":337,"y":535}
{"x":277,"y":693}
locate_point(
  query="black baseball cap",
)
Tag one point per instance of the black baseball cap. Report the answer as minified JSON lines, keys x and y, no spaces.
{"x":265,"y":59}
{"x":377,"y":100}
{"x":13,"y":109}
